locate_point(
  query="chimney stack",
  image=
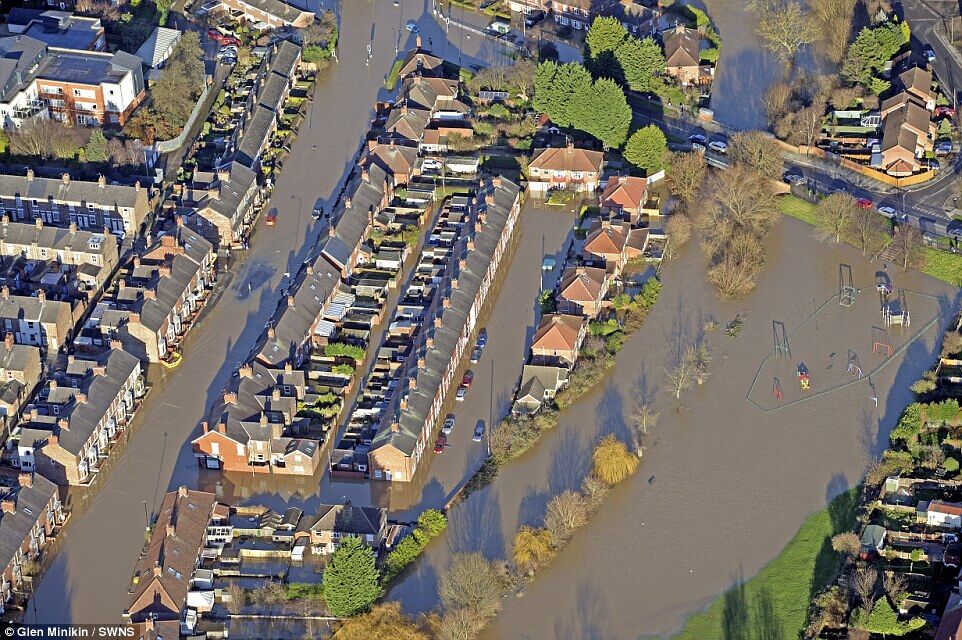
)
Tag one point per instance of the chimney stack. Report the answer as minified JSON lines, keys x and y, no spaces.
{"x":25,"y":479}
{"x":222,"y":427}
{"x":80,"y":397}
{"x":230,"y":397}
{"x":170,"y":530}
{"x":8,"y":340}
{"x":8,"y":506}
{"x":29,"y":175}
{"x":64,"y":424}
{"x":65,"y":178}
{"x":38,"y":222}
{"x":102,"y":181}
{"x":182,"y":491}
{"x":246,"y":371}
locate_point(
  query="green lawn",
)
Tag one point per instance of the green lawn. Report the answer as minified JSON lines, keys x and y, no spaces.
{"x":945,"y":266}
{"x":392,"y":76}
{"x":774,"y":603}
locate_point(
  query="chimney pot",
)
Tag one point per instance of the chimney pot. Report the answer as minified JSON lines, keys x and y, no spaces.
{"x":64,"y":424}
{"x":182,"y":491}
{"x":29,"y":175}
{"x":222,"y":427}
{"x":8,"y":341}
{"x":230,"y":397}
{"x":25,"y":479}
{"x":8,"y":506}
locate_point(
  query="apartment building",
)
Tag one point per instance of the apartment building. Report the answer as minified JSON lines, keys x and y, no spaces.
{"x":80,"y":412}
{"x":92,"y":206}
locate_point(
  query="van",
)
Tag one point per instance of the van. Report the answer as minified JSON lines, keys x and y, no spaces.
{"x":499,"y":27}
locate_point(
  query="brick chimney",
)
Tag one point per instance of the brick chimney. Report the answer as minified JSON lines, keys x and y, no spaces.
{"x":222,"y":427}
{"x":102,"y":180}
{"x":395,"y":427}
{"x":263,"y":418}
{"x":64,"y":424}
{"x":271,"y":333}
{"x":164,"y":271}
{"x":412,"y":383}
{"x":246,"y":371}
{"x":365,"y":174}
{"x":133,"y":318}
{"x":25,"y":479}
{"x":496,"y":181}
{"x":41,"y":295}
{"x":348,"y":202}
{"x":80,"y":397}
{"x":171,"y":531}
{"x":8,"y":341}
{"x":182,"y":491}
{"x":157,"y":570}
{"x":5,"y":292}
{"x":150,"y":294}
{"x":230,"y":397}
{"x":417,"y":41}
{"x":53,"y":440}
{"x":38,"y":223}
{"x":438,"y":321}
{"x":205,"y":426}
{"x":73,"y":227}
{"x":29,"y":175}
{"x":99,"y":370}
{"x":8,"y":506}
{"x":65,"y":178}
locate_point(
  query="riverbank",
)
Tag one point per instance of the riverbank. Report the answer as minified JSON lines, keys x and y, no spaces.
{"x":775,"y":602}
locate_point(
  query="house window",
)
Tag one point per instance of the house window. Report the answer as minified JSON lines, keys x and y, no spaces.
{"x":214,"y":448}
{"x":240,"y":449}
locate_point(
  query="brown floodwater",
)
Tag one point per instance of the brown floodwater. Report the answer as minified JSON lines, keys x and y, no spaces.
{"x":723,"y":485}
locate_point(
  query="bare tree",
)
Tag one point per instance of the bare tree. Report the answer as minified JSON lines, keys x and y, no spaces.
{"x":786,"y":28}
{"x":894,"y":585}
{"x":834,"y":21}
{"x":236,"y":598}
{"x":757,"y":151}
{"x":678,"y":229}
{"x":834,"y":214}
{"x":46,"y":138}
{"x":642,"y":419}
{"x":691,"y":366}
{"x":777,"y":101}
{"x":470,"y":582}
{"x":565,"y":512}
{"x":846,"y":543}
{"x":865,"y":584}
{"x":685,"y":175}
{"x":908,"y":247}
{"x":866,"y":230}
{"x":594,"y":489}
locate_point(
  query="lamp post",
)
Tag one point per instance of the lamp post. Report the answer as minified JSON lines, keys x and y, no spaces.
{"x":146,"y":516}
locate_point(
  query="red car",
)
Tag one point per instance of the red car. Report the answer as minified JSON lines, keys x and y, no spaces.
{"x":271,"y":219}
{"x":226,"y":40}
{"x":440,"y":444}
{"x":944,"y":111}
{"x":467,"y":379}
{"x":864,"y":203}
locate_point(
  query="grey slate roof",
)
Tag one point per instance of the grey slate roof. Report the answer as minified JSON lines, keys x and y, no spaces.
{"x":30,"y":503}
{"x":100,"y":390}
{"x":54,"y":238}
{"x":255,"y":400}
{"x":232,"y":192}
{"x":74,"y":191}
{"x":153,"y":51}
{"x":32,"y":309}
{"x":18,"y":357}
{"x":65,"y":30}
{"x":348,"y":519}
{"x":168,"y":289}
{"x":453,"y":319}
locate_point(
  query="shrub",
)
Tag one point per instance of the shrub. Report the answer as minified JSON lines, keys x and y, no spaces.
{"x":951,"y":465}
{"x":612,"y":461}
{"x":343,"y":349}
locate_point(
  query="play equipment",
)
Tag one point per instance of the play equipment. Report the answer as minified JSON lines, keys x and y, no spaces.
{"x":854,"y":365}
{"x":895,"y":313}
{"x":780,"y":336}
{"x":803,"y":379}
{"x":846,"y":286}
{"x":776,"y":389}
{"x":880,"y":342}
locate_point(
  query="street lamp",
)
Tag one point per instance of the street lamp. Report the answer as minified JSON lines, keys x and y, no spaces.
{"x":146,"y":516}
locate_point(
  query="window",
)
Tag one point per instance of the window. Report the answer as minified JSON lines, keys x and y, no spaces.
{"x":214,"y":448}
{"x":240,"y":449}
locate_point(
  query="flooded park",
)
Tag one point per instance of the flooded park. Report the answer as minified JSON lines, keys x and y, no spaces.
{"x":724,"y":484}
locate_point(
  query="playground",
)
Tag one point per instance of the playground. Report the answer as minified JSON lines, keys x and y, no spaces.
{"x":840,"y":340}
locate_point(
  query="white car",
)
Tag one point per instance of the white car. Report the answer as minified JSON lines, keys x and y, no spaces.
{"x":448,"y":426}
{"x":887,"y":211}
{"x":718,"y":146}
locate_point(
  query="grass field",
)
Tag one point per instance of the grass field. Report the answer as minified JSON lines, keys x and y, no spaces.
{"x":947,"y":267}
{"x":774,"y":603}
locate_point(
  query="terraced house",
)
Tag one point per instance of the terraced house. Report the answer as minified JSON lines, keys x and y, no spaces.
{"x":65,"y":263}
{"x":428,"y":374}
{"x":160,"y":296}
{"x":35,"y":320}
{"x":30,"y":514}
{"x":255,"y":428}
{"x":77,"y":416}
{"x":20,"y":371}
{"x":93,"y":206}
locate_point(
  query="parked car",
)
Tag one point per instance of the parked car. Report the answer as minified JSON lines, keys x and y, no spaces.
{"x":271,"y":219}
{"x":793,"y":178}
{"x":441,"y":442}
{"x":478,"y":432}
{"x":943,"y":146}
{"x":943,"y":111}
{"x":698,"y":139}
{"x":318,"y":212}
{"x":467,"y":379}
{"x":864,"y":203}
{"x":929,"y":53}
{"x":431,"y":164}
{"x":718,"y":146}
{"x":888,"y":212}
{"x":476,"y":355}
{"x":459,"y":396}
{"x":448,"y":425}
{"x":483,"y":338}
{"x":412,"y":27}
{"x":534,"y":18}
{"x":215,"y":35}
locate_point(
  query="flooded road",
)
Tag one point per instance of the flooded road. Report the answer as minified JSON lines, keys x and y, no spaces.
{"x":731,"y":484}
{"x":89,"y":577}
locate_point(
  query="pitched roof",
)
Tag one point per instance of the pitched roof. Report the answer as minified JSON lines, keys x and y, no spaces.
{"x":541,"y":376}
{"x":54,"y":238}
{"x":567,"y":159}
{"x":948,"y":508}
{"x":71,"y":191}
{"x":173,"y":550}
{"x":420,"y":61}
{"x":393,"y":158}
{"x":348,"y":519}
{"x":950,"y":627}
{"x":558,"y":332}
{"x":681,"y":47}
{"x":917,"y":80}
{"x":29,"y":502}
{"x":606,"y":238}
{"x":33,"y":309}
{"x":155,"y":49}
{"x":627,"y":192}
{"x":582,"y":284}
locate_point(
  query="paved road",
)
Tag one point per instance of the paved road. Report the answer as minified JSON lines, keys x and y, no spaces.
{"x":88,"y":579}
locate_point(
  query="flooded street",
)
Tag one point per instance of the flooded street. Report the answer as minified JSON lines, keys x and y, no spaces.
{"x":89,"y":577}
{"x":730,"y":484}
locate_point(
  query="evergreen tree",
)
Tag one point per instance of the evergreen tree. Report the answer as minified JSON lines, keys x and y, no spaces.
{"x":647,"y":149}
{"x":885,"y":621}
{"x":571,"y":81}
{"x":863,"y":57}
{"x":641,"y":63}
{"x":96,"y":148}
{"x":544,"y":77}
{"x":351,"y":579}
{"x":605,"y":35}
{"x":601,"y":110}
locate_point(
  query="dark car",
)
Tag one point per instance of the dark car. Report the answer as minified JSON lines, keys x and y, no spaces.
{"x":534,"y":18}
{"x":476,"y":355}
{"x":698,"y":139}
{"x":467,"y":379}
{"x":483,"y":338}
{"x":478,"y":432}
{"x":318,"y":212}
